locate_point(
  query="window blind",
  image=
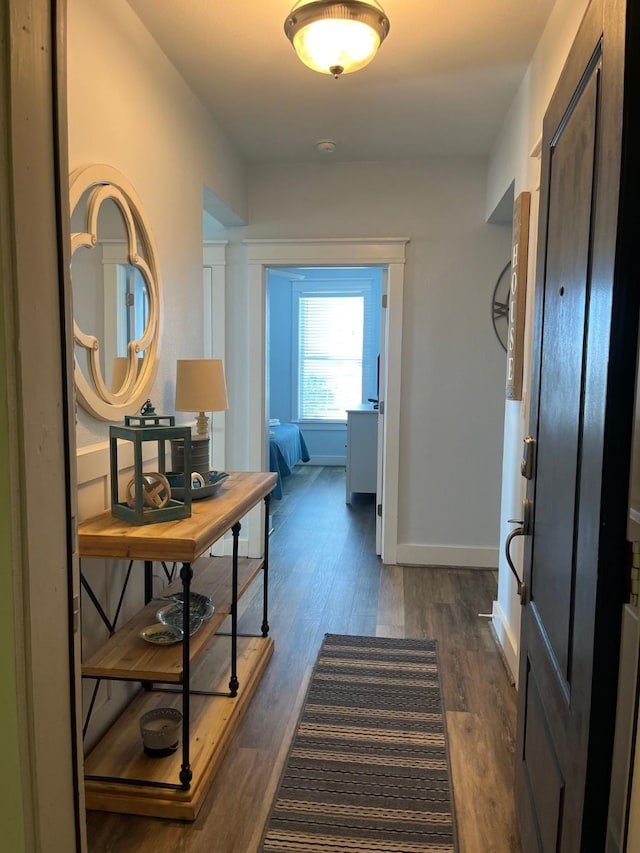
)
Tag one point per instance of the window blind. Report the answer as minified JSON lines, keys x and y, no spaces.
{"x":330,"y":355}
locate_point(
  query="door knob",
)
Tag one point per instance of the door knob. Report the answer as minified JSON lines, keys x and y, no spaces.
{"x":522,"y":530}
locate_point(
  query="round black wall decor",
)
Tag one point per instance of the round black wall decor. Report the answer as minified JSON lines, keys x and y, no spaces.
{"x":500,"y":305}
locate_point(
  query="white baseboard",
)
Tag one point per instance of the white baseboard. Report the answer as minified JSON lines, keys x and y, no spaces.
{"x":334,"y":461}
{"x":506,"y":640}
{"x":447,"y":555}
{"x":224,"y":547}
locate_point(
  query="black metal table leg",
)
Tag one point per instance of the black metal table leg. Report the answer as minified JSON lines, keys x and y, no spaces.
{"x":233,"y":681}
{"x":186,"y":574}
{"x":265,"y":600}
{"x":148,"y":581}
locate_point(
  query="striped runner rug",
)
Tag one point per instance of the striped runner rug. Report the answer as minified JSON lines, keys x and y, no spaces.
{"x":368,"y":768}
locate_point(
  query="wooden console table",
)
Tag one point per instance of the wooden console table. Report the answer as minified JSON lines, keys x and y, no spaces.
{"x":201,"y":676}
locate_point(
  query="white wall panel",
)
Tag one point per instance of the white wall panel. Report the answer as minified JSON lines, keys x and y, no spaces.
{"x":129,"y":107}
{"x":452,"y":395}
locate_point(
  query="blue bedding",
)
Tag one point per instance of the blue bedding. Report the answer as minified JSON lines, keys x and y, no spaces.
{"x":287,"y":447}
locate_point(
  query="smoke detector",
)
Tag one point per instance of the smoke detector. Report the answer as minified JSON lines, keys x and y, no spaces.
{"x":326,"y":146}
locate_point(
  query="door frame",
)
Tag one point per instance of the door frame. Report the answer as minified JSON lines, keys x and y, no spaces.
{"x":378,"y":336}
{"x":382,"y":396}
{"x":36,"y":312}
{"x":214,"y":261}
{"x":386,"y":252}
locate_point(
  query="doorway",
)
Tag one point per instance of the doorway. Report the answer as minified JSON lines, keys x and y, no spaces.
{"x":386,"y":253}
{"x":323,"y":347}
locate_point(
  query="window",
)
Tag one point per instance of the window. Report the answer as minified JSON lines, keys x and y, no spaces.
{"x":333,"y":343}
{"x":132,"y":306}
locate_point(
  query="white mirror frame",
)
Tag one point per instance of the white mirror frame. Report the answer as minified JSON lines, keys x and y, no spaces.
{"x":92,"y":391}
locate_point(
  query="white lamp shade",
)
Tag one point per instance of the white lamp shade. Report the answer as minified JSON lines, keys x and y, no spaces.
{"x":200,"y":385}
{"x":336,"y":37}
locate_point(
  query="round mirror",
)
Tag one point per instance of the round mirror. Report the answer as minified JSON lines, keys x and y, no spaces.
{"x":116,"y":294}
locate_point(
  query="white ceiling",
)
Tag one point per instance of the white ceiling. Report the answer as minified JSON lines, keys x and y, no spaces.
{"x":440,"y":85}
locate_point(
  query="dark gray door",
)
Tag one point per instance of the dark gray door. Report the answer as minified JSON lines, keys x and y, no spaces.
{"x":582,"y":391}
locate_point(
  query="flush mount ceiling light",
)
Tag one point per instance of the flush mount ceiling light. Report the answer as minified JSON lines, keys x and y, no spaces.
{"x":336,"y":38}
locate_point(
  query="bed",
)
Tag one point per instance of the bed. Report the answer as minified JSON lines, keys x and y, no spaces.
{"x":287,"y":447}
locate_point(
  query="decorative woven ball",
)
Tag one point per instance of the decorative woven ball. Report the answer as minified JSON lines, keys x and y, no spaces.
{"x":156,"y":490}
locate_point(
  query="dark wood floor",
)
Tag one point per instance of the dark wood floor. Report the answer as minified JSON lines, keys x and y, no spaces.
{"x":325,"y":578}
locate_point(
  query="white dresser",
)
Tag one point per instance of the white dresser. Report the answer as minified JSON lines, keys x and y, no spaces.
{"x":362,"y":450}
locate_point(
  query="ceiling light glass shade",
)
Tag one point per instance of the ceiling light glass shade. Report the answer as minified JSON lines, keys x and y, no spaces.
{"x":336,"y":38}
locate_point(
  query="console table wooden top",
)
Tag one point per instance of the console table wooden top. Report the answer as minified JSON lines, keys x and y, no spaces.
{"x":183,"y":540}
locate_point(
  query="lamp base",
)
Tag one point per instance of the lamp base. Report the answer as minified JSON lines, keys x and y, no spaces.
{"x":199,"y":455}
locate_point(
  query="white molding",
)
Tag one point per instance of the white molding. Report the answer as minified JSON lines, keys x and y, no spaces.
{"x":536,"y":149}
{"x":257,"y":414}
{"x":35,"y":428}
{"x":453,"y":556}
{"x":322,"y":251}
{"x":391,"y":383}
{"x":374,"y":251}
{"x":508,"y":643}
{"x":322,"y":426}
{"x":328,"y":461}
{"x":214,"y":262}
{"x":214,"y":252}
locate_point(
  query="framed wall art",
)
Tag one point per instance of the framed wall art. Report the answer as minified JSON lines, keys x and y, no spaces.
{"x":517,"y":295}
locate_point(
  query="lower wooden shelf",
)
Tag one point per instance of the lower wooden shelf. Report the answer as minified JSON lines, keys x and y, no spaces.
{"x":126,"y":656}
{"x":213,"y":722}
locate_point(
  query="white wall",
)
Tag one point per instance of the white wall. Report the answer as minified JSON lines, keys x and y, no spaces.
{"x":452,"y":396}
{"x":128,"y":107}
{"x":511,"y":161}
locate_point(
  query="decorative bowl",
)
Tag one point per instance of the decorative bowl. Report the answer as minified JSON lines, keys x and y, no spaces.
{"x":160,"y":731}
{"x":212,"y":481}
{"x":197,"y":600}
{"x":162,"y":634}
{"x":171,"y":615}
{"x":199,"y":605}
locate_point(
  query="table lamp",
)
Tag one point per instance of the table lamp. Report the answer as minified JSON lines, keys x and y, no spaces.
{"x":200,"y":387}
